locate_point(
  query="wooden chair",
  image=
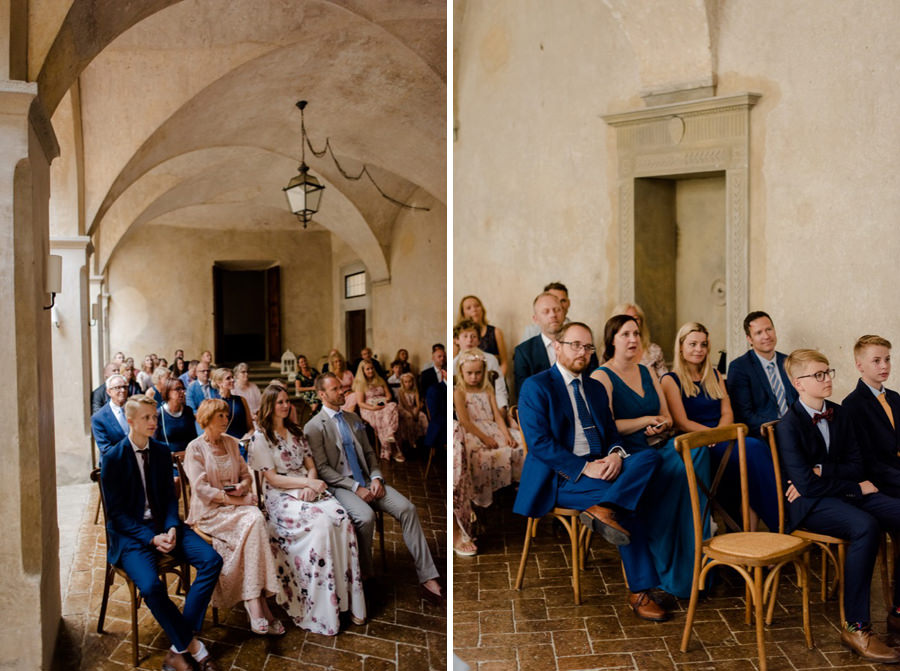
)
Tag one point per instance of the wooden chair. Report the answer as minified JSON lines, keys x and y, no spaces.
{"x":747,"y":552}
{"x":579,"y":534}
{"x":165,"y":565}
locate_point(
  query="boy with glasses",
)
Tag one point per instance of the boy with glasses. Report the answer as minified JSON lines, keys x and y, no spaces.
{"x":828,"y":492}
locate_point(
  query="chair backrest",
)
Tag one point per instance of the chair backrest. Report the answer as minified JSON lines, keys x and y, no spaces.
{"x":183,"y":482}
{"x":95,"y":477}
{"x":514,"y":414}
{"x":735,"y":435}
{"x":768,"y":432}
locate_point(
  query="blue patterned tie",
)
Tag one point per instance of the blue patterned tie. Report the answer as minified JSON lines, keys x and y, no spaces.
{"x":349,"y":449}
{"x":777,"y":387}
{"x":120,"y":416}
{"x":591,"y":430}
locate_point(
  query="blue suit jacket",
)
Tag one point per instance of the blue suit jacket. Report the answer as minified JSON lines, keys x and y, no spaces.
{"x":752,"y":398}
{"x":547,"y":419}
{"x":879,"y":442}
{"x":121,"y":481}
{"x":106,"y":428}
{"x":801,"y":447}
{"x":530,"y":358}
{"x":194,"y":396}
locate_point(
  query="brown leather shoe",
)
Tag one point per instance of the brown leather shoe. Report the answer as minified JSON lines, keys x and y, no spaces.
{"x":893,"y":623}
{"x":175,"y":661}
{"x":208,"y":664}
{"x":646,"y":608}
{"x":865,"y":644}
{"x":603,"y":521}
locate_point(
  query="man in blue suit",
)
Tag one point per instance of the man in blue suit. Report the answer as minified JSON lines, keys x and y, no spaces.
{"x":136,"y":476}
{"x":108,"y":424}
{"x":759,"y":388}
{"x":200,"y":389}
{"x":575,"y":461}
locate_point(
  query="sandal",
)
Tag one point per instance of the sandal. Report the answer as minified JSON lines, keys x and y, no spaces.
{"x":258,"y":625}
{"x":464,"y":551}
{"x":275,"y":628}
{"x":399,"y":458}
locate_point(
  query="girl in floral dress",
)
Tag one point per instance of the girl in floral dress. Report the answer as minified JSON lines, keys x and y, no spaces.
{"x":413,"y":422}
{"x":373,"y":397}
{"x":309,"y":531}
{"x":493,"y":453}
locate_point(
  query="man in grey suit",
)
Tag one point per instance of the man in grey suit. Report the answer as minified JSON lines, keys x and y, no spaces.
{"x":346,"y":461}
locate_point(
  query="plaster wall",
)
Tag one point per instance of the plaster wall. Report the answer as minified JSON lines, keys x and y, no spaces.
{"x":535,"y":169}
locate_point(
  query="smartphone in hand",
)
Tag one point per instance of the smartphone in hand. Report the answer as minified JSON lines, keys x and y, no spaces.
{"x":229,"y":488}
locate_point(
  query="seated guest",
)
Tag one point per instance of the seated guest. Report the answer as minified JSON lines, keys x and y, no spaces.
{"x":494,"y":456}
{"x":305,"y":383}
{"x":99,"y":397}
{"x":145,"y":374}
{"x":160,"y":377}
{"x":642,"y":419}
{"x":240,"y":421}
{"x":126,"y":370}
{"x":246,"y":389}
{"x":874,"y":411}
{"x":346,"y":462}
{"x":315,"y":546}
{"x":206,"y":357}
{"x":338,"y":366}
{"x":413,"y":422}
{"x":465,"y":335}
{"x":142,"y":520}
{"x":653,"y":357}
{"x":376,"y":407}
{"x":394,"y":380}
{"x":162,"y":362}
{"x":223,"y":506}
{"x":119,"y":358}
{"x":331,"y":352}
{"x":559,"y":290}
{"x":200,"y":389}
{"x":367,"y":355}
{"x":175,"y":426}
{"x":109,"y":424}
{"x":178,"y":367}
{"x":698,"y":400}
{"x":403,"y":358}
{"x":576,"y":460}
{"x":433,"y":373}
{"x":760,"y":389}
{"x":190,"y":374}
{"x":491,"y":337}
{"x":828,"y":493}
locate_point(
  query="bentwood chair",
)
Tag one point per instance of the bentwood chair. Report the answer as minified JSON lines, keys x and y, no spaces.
{"x":579,"y":534}
{"x":747,"y":552}
{"x":165,"y":565}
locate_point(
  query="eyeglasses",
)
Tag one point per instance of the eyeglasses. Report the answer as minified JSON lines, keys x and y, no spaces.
{"x":118,"y":387}
{"x":820,"y":375}
{"x":579,"y":347}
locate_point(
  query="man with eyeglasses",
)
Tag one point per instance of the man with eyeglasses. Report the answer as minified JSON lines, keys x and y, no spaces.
{"x":200,"y":389}
{"x":829,"y":493}
{"x":99,"y":396}
{"x":108,"y":424}
{"x":576,"y":460}
{"x":759,"y":388}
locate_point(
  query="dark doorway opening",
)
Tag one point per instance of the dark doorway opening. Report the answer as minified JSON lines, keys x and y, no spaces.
{"x":356,"y":333}
{"x":247,"y":306}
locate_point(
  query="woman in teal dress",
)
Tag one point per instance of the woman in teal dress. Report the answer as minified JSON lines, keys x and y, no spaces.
{"x":643,"y":419}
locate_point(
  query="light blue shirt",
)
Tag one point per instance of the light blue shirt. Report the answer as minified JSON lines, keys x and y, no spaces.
{"x":822,"y":426}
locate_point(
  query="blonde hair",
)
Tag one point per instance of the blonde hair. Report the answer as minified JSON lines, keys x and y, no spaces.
{"x":217,"y":376}
{"x":623,"y":308}
{"x":159,"y":374}
{"x":360,"y":383}
{"x":466,"y":356}
{"x":335,"y":356}
{"x":208,"y":410}
{"x":869,"y":341}
{"x":462,"y":315}
{"x":799,"y":359}
{"x":134,"y":403}
{"x":708,"y":379}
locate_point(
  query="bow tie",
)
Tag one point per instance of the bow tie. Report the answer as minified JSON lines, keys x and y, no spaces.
{"x":827,"y":415}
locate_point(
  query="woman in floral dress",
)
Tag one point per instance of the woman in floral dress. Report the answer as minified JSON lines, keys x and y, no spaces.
{"x":373,"y":396}
{"x":310,"y":533}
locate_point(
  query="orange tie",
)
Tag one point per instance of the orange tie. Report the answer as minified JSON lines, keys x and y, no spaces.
{"x":882,"y":398}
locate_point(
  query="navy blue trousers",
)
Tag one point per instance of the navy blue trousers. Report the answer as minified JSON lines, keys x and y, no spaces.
{"x":624,"y":495}
{"x":140,"y":565}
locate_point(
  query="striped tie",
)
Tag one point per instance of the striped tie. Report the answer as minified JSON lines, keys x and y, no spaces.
{"x":591,"y":430}
{"x":777,"y":387}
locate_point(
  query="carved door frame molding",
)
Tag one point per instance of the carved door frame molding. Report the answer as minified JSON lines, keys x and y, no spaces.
{"x":691,"y":138}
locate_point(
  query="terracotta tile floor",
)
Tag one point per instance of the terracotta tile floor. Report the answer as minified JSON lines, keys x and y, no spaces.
{"x":407,"y":634}
{"x":496,"y":628}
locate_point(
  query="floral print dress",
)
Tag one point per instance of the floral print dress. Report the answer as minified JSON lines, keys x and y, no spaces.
{"x":386,"y":421}
{"x":316,"y":553}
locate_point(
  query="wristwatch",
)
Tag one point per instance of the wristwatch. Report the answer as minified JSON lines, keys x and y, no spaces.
{"x":618,"y":449}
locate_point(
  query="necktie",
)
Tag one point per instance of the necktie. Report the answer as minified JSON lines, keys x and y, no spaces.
{"x":591,"y":430}
{"x":827,"y":416}
{"x":882,"y":398}
{"x":349,"y":449}
{"x":154,"y":513}
{"x":122,"y":421}
{"x":777,"y":387}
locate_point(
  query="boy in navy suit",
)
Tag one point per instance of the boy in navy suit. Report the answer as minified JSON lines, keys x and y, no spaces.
{"x":875,"y":412}
{"x":828,"y":492}
{"x":136,"y":476}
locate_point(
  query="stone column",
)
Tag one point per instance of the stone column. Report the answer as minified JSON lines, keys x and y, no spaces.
{"x":98,"y":344}
{"x":72,"y":357}
{"x":29,"y":553}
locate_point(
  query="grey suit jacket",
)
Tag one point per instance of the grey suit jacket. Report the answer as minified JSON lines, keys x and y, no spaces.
{"x":328,"y":451}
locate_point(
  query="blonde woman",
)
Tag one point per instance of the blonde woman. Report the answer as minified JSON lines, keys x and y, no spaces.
{"x":337,"y":364}
{"x":490,"y":337}
{"x":373,"y":396}
{"x":240,"y":421}
{"x":156,"y":391}
{"x":653,"y":355}
{"x":246,"y":389}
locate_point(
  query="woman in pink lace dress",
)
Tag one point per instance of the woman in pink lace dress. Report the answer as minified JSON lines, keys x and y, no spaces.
{"x":373,"y":396}
{"x":413,"y":422}
{"x":494,"y":453}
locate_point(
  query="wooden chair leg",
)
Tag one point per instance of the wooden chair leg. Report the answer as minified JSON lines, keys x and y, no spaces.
{"x":692,"y":610}
{"x":430,"y":457}
{"x":885,"y":575}
{"x":134,"y":623}
{"x":770,"y":613}
{"x":97,"y":512}
{"x":110,"y":574}
{"x":573,"y":530}
{"x":824,"y":575}
{"x":520,"y":576}
{"x":803,"y":572}
{"x":842,"y":559}
{"x":760,"y":620}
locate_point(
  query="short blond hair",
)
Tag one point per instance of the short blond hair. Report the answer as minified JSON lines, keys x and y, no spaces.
{"x":159,"y":374}
{"x":869,"y":341}
{"x":797,"y":361}
{"x":208,"y":409}
{"x":134,"y":403}
{"x":218,"y":376}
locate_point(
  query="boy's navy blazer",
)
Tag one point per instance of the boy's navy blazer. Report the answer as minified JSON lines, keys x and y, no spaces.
{"x":106,"y":428}
{"x":801,"y":446}
{"x":752,"y":398}
{"x":548,"y":421}
{"x":124,"y":493}
{"x":878,"y":441}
